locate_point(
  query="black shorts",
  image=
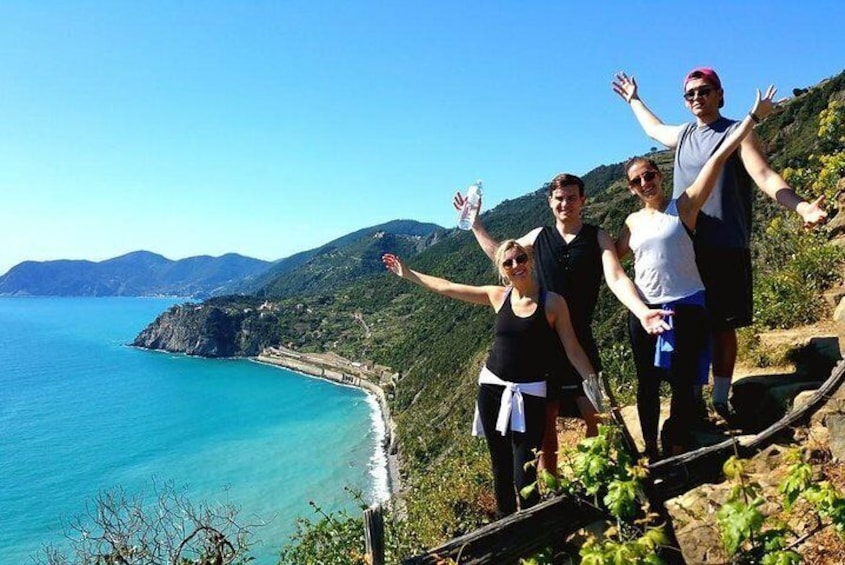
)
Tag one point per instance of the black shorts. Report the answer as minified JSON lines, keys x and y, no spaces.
{"x":564,"y":382}
{"x":726,"y":273}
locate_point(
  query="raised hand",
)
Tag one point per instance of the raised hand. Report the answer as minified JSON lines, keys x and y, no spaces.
{"x":394,"y":264}
{"x":764,"y":105}
{"x":813,"y":212}
{"x":459,"y":201}
{"x":625,"y":87}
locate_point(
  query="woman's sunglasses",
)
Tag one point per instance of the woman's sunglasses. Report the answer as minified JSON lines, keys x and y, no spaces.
{"x":638,"y":180}
{"x":520,"y":259}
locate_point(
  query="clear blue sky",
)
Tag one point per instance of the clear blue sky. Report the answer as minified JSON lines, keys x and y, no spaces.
{"x":266,"y":128}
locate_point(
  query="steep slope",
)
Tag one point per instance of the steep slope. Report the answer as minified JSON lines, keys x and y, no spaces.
{"x":338,"y":263}
{"x":274,"y":283}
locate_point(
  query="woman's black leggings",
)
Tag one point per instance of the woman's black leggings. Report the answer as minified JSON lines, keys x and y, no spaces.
{"x":510,"y":452}
{"x":691,"y":340}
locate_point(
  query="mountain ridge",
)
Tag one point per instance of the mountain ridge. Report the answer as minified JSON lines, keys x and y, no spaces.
{"x":146,"y":273}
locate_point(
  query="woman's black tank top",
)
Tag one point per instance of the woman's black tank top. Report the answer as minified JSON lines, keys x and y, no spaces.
{"x":522,"y":348}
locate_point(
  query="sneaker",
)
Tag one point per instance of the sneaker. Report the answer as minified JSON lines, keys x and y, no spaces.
{"x":700,"y":419}
{"x":723,"y":410}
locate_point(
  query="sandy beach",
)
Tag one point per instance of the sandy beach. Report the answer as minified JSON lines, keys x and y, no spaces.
{"x":336,"y":369}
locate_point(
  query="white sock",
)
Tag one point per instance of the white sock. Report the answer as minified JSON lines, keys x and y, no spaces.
{"x":721,"y":388}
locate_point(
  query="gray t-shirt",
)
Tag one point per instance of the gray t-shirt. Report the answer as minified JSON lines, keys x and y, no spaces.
{"x":725,"y":219}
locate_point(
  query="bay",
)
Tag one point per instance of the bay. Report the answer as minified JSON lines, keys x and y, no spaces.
{"x":81,"y":412}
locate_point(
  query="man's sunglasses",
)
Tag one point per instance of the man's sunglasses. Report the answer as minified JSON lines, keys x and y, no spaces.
{"x":520,"y":259}
{"x":638,"y":180}
{"x":702,"y":92}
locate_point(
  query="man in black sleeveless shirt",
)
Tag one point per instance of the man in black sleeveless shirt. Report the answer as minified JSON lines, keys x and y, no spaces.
{"x":570,"y":259}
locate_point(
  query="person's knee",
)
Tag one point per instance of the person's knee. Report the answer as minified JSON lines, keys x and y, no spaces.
{"x":724,"y":336}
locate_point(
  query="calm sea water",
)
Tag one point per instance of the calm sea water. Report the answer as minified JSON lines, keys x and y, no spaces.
{"x":81,"y":412}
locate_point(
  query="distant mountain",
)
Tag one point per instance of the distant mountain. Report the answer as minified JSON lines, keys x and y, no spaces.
{"x":341,"y":260}
{"x":140,"y":273}
{"x":143,"y":273}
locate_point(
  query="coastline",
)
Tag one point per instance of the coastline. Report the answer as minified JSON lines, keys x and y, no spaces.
{"x":338,"y":370}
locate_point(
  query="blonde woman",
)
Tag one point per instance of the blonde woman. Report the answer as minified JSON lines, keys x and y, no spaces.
{"x":511,"y":403}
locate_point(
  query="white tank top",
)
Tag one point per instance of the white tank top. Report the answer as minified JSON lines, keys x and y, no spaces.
{"x":664,"y":258}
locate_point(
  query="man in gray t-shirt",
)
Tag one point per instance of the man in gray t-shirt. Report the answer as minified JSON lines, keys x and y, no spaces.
{"x":723,"y":233}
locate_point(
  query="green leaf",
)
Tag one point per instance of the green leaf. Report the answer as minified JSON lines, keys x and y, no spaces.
{"x":781,"y":558}
{"x":796,"y":482}
{"x":738,"y":522}
{"x":621,"y":498}
{"x":527,"y":491}
{"x":550,"y":481}
{"x":733,"y":468}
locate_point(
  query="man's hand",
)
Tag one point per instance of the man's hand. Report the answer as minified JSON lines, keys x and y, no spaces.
{"x":812,"y":212}
{"x":764,"y":104}
{"x":459,"y":200}
{"x":625,"y":87}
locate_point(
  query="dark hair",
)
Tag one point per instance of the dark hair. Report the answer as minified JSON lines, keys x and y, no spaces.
{"x":562,"y":180}
{"x":636,"y":160}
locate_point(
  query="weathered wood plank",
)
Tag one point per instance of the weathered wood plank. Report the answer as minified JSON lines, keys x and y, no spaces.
{"x":505,"y":541}
{"x":374,"y":534}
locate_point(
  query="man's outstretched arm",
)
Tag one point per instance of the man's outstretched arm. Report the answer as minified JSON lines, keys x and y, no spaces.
{"x":771,"y":183}
{"x":626,"y":88}
{"x":484,"y":239}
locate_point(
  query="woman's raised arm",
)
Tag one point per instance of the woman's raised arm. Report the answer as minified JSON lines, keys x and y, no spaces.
{"x":489,"y":295}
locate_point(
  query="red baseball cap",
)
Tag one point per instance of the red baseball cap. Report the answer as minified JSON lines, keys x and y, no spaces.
{"x":707,"y":74}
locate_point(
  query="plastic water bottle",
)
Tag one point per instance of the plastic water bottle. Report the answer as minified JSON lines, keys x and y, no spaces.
{"x":471,"y":204}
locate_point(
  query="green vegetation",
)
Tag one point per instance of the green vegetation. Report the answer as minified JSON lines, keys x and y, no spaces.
{"x":793,"y":266}
{"x":751,"y":536}
{"x":599,"y":468}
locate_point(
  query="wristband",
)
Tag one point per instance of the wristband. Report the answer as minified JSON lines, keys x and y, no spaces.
{"x":754,"y":117}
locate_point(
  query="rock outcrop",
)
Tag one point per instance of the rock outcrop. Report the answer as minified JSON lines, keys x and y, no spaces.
{"x":821,"y":442}
{"x":207,"y":330}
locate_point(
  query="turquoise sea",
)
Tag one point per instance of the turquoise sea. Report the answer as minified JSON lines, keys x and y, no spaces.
{"x":81,"y":412}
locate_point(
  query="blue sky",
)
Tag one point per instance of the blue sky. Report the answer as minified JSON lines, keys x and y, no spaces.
{"x":266,"y":128}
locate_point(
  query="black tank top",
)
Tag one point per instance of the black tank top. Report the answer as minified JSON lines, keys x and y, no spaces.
{"x":522,"y":348}
{"x":573,"y":270}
